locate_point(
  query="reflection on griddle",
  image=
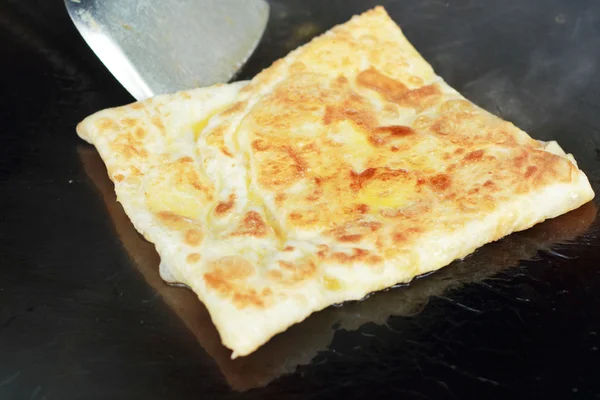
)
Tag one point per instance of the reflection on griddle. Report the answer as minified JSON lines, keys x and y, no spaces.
{"x":301,"y":343}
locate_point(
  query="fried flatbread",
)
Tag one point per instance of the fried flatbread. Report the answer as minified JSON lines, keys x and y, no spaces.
{"x":344,"y":168}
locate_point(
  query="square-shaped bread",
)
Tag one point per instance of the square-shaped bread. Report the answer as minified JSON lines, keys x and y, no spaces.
{"x":344,"y":168}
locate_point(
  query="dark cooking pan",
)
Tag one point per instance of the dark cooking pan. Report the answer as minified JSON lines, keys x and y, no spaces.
{"x":84,"y":314}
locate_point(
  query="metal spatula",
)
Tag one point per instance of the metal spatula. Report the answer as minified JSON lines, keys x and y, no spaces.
{"x":161,"y":46}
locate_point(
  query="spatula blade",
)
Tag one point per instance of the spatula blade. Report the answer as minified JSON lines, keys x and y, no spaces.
{"x":156,"y":46}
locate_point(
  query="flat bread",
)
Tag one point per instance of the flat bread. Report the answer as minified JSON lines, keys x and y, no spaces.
{"x":300,"y":344}
{"x":344,"y":168}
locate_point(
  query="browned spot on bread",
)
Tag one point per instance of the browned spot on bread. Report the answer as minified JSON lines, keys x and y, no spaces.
{"x":175,"y":222}
{"x":260,"y":145}
{"x":299,"y":163}
{"x":140,"y":132}
{"x":322,"y":250}
{"x":291,"y":273}
{"x":129,"y":122}
{"x":419,"y":98}
{"x":389,"y":88}
{"x":350,"y":238}
{"x":193,"y":258}
{"x":156,"y":121}
{"x":252,"y":225}
{"x":297,"y":67}
{"x":381,"y":135}
{"x":372,"y":225}
{"x":106,"y":124}
{"x":358,"y":255}
{"x":119,"y":177}
{"x":358,"y":180}
{"x":215,"y":138}
{"x":343,"y":112}
{"x":396,"y":130}
{"x":281,"y":167}
{"x":362,"y":208}
{"x":244,"y":299}
{"x":295,"y":216}
{"x":289,"y":248}
{"x":228,"y":277}
{"x":474,"y":156}
{"x":286,"y":265}
{"x":193,"y":237}
{"x":440,"y":182}
{"x":224,"y":207}
{"x":531,"y":170}
{"x":405,"y":235}
{"x":275,"y":275}
{"x":235,"y":108}
{"x":519,"y":161}
{"x":489,"y":185}
{"x":280,"y":198}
